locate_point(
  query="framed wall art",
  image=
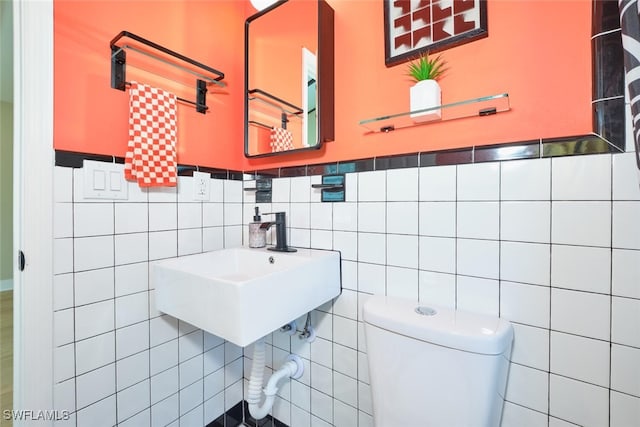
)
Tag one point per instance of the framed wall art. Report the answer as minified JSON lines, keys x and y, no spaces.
{"x":412,"y":27}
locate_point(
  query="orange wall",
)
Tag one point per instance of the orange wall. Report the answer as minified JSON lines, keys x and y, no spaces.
{"x":537,"y":51}
{"x":91,"y":117}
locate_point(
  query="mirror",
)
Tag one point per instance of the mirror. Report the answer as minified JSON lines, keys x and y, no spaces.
{"x":289,"y":75}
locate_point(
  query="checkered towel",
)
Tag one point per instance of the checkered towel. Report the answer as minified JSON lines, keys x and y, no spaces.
{"x":151,"y":155}
{"x":281,"y":140}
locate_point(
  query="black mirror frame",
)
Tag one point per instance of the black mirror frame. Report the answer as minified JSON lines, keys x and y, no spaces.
{"x":325,"y":78}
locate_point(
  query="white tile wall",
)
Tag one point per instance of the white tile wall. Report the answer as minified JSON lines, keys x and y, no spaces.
{"x":506,"y":238}
{"x":118,"y":361}
{"x":550,"y":244}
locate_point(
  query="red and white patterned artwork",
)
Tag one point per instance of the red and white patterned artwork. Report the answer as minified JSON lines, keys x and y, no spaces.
{"x":414,"y":26}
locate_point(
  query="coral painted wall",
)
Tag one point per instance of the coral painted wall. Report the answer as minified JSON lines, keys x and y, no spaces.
{"x":90,"y":116}
{"x":537,"y":51}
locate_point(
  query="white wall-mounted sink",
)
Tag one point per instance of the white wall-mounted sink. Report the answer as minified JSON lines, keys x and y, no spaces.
{"x":243,"y":294}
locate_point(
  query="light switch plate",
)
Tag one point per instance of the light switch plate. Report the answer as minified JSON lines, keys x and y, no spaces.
{"x":104,"y":180}
{"x":201,"y":185}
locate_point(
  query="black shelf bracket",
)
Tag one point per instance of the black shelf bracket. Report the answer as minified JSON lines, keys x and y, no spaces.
{"x":207,"y":76}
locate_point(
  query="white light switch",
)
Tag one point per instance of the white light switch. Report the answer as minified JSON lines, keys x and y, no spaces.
{"x":201,"y":183}
{"x":103,"y":180}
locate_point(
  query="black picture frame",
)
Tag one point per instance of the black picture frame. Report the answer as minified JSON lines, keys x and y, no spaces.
{"x":413,"y":27}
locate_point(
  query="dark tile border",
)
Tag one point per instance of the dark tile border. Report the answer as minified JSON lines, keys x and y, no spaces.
{"x":607,"y":65}
{"x":535,"y":149}
{"x":72,"y":159}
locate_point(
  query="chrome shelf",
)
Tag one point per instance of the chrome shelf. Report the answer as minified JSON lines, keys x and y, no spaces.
{"x":483,"y":106}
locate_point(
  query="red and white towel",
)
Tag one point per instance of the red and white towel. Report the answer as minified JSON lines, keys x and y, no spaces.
{"x":153,"y":130}
{"x":281,"y":140}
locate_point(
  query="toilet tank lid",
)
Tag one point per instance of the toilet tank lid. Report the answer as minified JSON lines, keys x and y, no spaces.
{"x":457,"y":329}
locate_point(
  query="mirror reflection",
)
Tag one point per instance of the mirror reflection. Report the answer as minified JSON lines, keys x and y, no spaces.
{"x":282,"y":109}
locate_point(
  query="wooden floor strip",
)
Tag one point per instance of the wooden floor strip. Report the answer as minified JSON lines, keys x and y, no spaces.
{"x":6,"y":355}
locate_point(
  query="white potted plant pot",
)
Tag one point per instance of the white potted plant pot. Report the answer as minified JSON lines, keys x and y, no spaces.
{"x":425,"y":94}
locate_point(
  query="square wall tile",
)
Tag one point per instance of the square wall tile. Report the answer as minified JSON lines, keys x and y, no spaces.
{"x":531,"y":346}
{"x":103,"y":410}
{"x":189,"y":241}
{"x":525,"y":262}
{"x":132,"y":339}
{"x":581,"y":177}
{"x":93,"y":285}
{"x":437,"y":219}
{"x":163,"y":216}
{"x":232,"y":191}
{"x":625,"y":371}
{"x":625,"y":321}
{"x":625,"y":177}
{"x":402,"y":217}
{"x":321,"y":216}
{"x":525,"y":179}
{"x":480,"y":258}
{"x":525,"y":221}
{"x":528,"y":387}
{"x":580,"y":313}
{"x":580,"y":358}
{"x":625,"y":273}
{"x":131,"y":248}
{"x":402,"y":184}
{"x":578,"y":402}
{"x":131,"y":217}
{"x":371,"y":278}
{"x":372,"y":186}
{"x":625,"y":409}
{"x":437,"y":254}
{"x":626,"y":227}
{"x":162,"y":194}
{"x":94,"y":319}
{"x":372,"y":248}
{"x":402,"y":250}
{"x":213,"y":214}
{"x":478,"y":295}
{"x":133,"y":400}
{"x":163,"y":244}
{"x":93,"y":252}
{"x":62,"y":220}
{"x":62,"y":184}
{"x":301,"y":189}
{"x":403,"y":282}
{"x":281,"y":189}
{"x":437,"y":183}
{"x":189,"y":215}
{"x":581,"y":223}
{"x":437,"y":288}
{"x":478,"y":220}
{"x":95,"y":352}
{"x":528,"y":304}
{"x":372,"y":217}
{"x":131,"y":309}
{"x":345,"y":216}
{"x":95,"y":385}
{"x":131,"y":278}
{"x":63,"y":261}
{"x":480,"y":181}
{"x":582,"y":268}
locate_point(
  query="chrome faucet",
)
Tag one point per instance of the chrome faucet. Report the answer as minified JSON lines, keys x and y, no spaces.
{"x":281,"y":232}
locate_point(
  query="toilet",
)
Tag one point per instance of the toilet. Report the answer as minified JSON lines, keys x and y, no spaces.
{"x":435,"y":366}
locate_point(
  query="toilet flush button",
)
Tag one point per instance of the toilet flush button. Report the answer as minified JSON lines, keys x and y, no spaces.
{"x":426,"y":311}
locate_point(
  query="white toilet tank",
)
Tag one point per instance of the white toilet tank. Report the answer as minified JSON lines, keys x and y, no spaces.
{"x":435,"y":366}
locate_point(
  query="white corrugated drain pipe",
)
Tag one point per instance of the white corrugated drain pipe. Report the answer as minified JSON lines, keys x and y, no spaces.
{"x":293,"y":368}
